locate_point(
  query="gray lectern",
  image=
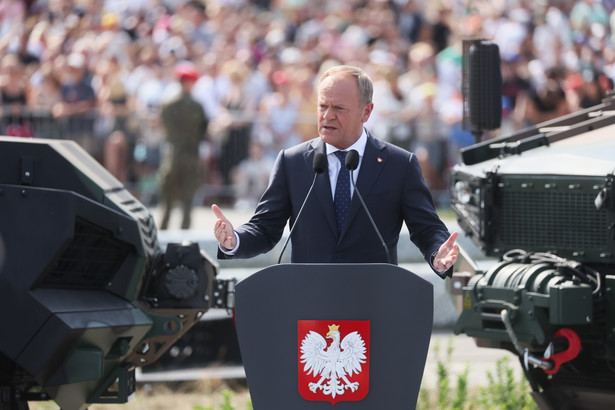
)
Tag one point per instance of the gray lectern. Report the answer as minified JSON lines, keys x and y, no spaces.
{"x":350,"y":335}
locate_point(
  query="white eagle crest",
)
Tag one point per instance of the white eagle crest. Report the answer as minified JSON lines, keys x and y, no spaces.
{"x":335,"y":363}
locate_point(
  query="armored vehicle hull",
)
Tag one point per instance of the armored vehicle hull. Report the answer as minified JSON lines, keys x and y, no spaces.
{"x":541,"y":201}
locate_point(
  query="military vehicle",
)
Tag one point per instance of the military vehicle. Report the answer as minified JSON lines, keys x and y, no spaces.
{"x":539,"y":203}
{"x":87,"y":295}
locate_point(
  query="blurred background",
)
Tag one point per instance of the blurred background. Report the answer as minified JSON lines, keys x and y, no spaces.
{"x":100,"y":71}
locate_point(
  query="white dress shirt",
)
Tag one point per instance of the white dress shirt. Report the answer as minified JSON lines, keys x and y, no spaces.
{"x":335,"y":166}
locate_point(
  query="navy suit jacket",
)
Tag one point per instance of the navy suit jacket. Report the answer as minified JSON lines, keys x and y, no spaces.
{"x":390,"y":182}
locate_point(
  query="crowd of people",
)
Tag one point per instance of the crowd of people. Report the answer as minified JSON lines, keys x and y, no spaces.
{"x":99,"y":71}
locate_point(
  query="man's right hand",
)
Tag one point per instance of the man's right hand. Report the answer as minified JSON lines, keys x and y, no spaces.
{"x":223,"y":230}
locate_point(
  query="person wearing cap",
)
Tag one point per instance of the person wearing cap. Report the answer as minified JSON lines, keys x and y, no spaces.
{"x":185,"y":125}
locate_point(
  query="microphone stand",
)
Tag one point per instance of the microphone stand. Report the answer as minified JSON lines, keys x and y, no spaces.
{"x":352,"y":162}
{"x":320,"y":164}
{"x":369,"y":215}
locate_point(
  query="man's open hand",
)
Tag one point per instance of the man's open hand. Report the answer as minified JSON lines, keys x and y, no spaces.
{"x":223,"y":230}
{"x":447,"y":254}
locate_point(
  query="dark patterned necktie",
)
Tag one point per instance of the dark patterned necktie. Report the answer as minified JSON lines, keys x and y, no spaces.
{"x":342,"y":192}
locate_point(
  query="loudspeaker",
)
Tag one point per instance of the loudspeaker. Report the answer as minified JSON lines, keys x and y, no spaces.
{"x":482,"y":85}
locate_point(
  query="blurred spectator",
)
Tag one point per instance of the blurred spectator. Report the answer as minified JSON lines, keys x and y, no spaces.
{"x":232,"y":127}
{"x":12,"y":12}
{"x":509,"y":28}
{"x":44,"y":93}
{"x":303,"y":90}
{"x":146,"y":103}
{"x":185,"y":126}
{"x":13,"y":97}
{"x":586,"y":89}
{"x":441,"y":30}
{"x":514,"y":83}
{"x":391,"y":116}
{"x":198,"y":30}
{"x":78,"y":101}
{"x":587,"y":15}
{"x":109,"y":84}
{"x":205,"y":91}
{"x":541,"y":104}
{"x":410,"y":21}
{"x":144,"y":70}
{"x":116,"y":155}
{"x":20,"y":45}
{"x":14,"y":82}
{"x":551,"y":37}
{"x":430,"y":138}
{"x":45,"y":88}
{"x":251,"y":177}
{"x":279,"y":113}
{"x":115,"y":125}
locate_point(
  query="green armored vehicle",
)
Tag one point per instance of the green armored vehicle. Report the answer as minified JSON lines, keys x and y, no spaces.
{"x":87,"y":295}
{"x":541,"y":203}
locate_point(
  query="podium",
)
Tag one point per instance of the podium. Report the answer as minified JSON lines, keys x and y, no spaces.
{"x":354,"y":336}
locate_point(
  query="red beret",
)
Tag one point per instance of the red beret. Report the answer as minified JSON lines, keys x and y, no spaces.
{"x":186,"y":71}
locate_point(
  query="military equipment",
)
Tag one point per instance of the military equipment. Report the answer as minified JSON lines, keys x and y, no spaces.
{"x":540,"y":204}
{"x":86,"y":293}
{"x":481,"y":86}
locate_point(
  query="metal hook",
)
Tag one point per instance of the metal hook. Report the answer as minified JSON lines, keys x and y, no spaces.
{"x":574,"y":347}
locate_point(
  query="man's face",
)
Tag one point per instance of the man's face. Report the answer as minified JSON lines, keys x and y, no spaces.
{"x":340,"y":114}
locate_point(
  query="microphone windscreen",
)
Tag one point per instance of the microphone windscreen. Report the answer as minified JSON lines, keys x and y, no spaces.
{"x":352,"y":160}
{"x":320,"y":163}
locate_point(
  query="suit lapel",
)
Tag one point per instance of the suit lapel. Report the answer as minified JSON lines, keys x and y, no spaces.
{"x":372,"y":164}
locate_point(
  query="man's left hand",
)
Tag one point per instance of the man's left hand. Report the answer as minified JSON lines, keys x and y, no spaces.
{"x":447,"y":254}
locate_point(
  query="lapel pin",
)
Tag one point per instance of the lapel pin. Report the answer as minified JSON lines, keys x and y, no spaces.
{"x":379,"y":159}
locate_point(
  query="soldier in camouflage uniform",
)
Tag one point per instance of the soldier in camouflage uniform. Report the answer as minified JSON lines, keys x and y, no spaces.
{"x":185,"y":125}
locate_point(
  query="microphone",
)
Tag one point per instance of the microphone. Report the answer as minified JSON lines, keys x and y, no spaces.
{"x":352,"y":162}
{"x":320,"y":165}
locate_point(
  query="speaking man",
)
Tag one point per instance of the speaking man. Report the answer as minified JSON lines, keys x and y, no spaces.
{"x":334,"y":226}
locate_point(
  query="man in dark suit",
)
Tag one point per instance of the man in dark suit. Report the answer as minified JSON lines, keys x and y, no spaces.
{"x":388,"y":178}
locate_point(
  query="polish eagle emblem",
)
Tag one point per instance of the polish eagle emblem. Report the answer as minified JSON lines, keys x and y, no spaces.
{"x":335,"y":366}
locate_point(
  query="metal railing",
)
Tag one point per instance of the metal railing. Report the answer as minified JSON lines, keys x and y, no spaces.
{"x":144,"y":143}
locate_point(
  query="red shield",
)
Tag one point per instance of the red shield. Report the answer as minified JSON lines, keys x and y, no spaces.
{"x":333,"y":359}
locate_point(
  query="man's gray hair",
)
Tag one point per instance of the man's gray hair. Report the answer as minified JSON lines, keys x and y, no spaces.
{"x":366,"y":88}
